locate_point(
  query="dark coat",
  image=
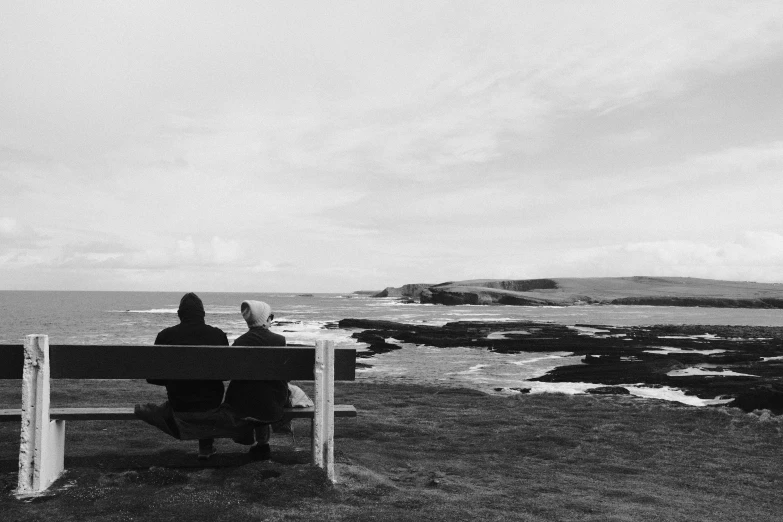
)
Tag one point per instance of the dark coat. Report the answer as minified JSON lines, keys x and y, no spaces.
{"x":262,"y":400}
{"x":195,"y":395}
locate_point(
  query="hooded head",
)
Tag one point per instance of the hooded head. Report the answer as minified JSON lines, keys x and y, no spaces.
{"x":256,"y":313}
{"x":191,"y":309}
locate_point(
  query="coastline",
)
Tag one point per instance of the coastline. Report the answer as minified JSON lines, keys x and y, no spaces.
{"x":694,"y":364}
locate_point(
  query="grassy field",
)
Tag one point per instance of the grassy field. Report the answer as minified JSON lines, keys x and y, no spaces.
{"x":422,"y":453}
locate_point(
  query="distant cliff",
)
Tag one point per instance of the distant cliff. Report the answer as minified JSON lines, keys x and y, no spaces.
{"x":640,"y":290}
{"x":411,"y":290}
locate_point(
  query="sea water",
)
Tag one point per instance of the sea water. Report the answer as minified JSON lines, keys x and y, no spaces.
{"x":137,"y":317}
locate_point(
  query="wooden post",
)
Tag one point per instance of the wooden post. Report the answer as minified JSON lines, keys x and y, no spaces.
{"x":318,"y":411}
{"x":323,"y":414}
{"x":42,"y":442}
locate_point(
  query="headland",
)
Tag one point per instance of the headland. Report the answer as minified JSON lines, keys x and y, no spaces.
{"x":637,"y":290}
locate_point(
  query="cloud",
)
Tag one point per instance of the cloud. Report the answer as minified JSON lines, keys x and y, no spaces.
{"x":10,"y":228}
{"x":226,"y":251}
{"x":187,"y":252}
{"x":325,"y":142}
{"x":756,"y":256}
{"x":15,"y":234}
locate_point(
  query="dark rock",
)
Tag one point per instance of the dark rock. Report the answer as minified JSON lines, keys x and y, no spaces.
{"x":376,"y":348}
{"x":767,"y":397}
{"x":609,"y":390}
{"x":520,"y":390}
{"x":379,"y":324}
{"x":627,"y":354}
{"x":601,"y":359}
{"x":665,"y":364}
{"x":464,"y":295}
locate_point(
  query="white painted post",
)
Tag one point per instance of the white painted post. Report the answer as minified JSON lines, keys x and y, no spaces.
{"x":42,"y":441}
{"x":323,"y":414}
{"x":318,"y":409}
{"x":329,"y":411}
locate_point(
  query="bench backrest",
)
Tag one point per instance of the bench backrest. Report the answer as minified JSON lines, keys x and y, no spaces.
{"x":179,"y":362}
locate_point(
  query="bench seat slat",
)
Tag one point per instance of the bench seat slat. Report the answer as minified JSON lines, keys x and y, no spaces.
{"x":15,"y":415}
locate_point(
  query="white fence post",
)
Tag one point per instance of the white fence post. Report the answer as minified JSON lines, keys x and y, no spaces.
{"x":42,"y":442}
{"x":323,"y":415}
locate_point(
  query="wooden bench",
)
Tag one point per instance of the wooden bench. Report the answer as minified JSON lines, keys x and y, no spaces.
{"x":42,"y":444}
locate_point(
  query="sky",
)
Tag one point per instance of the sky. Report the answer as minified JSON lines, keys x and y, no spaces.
{"x":340,"y":146}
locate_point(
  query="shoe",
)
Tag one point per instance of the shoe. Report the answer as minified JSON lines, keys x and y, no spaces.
{"x":206,"y":452}
{"x":260,"y":452}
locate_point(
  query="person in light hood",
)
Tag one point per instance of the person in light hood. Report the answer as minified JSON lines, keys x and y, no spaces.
{"x":260,"y":400}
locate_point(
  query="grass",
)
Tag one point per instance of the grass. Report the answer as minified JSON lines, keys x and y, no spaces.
{"x":569,"y":290}
{"x":423,"y":453}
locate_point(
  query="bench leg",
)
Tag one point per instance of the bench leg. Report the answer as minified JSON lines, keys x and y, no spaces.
{"x":42,"y":441}
{"x":323,"y":414}
{"x":52,"y":461}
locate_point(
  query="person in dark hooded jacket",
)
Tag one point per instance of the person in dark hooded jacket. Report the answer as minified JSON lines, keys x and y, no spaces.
{"x":193,"y":395}
{"x":260,"y":400}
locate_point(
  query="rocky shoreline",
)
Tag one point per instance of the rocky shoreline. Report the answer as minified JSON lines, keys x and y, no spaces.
{"x":743,"y":363}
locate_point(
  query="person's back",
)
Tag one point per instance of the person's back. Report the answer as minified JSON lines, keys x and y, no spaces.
{"x":260,"y":400}
{"x":193,"y":395}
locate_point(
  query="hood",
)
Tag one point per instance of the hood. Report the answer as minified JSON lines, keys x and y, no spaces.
{"x":191,"y":309}
{"x":255,"y":312}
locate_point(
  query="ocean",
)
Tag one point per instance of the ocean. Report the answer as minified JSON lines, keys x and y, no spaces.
{"x":137,"y":317}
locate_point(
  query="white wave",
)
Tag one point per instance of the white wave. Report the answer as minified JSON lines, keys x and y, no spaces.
{"x":663,"y":392}
{"x":584,"y":330}
{"x":671,"y":349}
{"x":502,"y":335}
{"x":472,"y":369}
{"x":308,"y":332}
{"x":570,"y":388}
{"x":686,"y":372}
{"x":672,"y":394}
{"x":700,"y":336}
{"x":559,"y":355}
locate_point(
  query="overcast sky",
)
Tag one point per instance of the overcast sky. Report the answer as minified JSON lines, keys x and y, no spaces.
{"x":338,"y":146}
